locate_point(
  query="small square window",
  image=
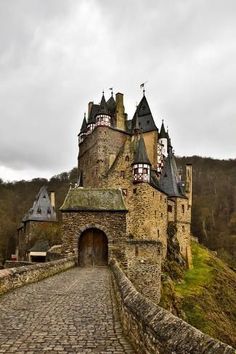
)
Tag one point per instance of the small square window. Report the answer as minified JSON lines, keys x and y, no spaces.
{"x":124,"y":192}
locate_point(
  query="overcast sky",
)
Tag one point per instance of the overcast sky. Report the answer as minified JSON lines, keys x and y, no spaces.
{"x":56,"y":55}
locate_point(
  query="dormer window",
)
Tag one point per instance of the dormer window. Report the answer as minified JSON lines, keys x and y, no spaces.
{"x":39,"y":210}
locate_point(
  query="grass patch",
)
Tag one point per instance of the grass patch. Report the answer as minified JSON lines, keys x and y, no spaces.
{"x":198,"y":276}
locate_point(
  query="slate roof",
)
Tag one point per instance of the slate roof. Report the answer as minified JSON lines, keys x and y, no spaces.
{"x":111,"y":104}
{"x":40,"y":246}
{"x":42,"y":209}
{"x":163,"y":133}
{"x":83,"y":126}
{"x":141,"y":153}
{"x":145,"y":118}
{"x":103,"y":108}
{"x":93,"y":113}
{"x":93,"y":199}
{"x":169,"y":180}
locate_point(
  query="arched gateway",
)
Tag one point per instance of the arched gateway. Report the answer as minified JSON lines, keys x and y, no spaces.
{"x":93,"y":248}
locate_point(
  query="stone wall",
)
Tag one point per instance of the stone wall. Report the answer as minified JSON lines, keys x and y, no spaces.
{"x":95,"y":152}
{"x":15,"y":277}
{"x":113,"y":224}
{"x":144,"y":267}
{"x":16,"y":264}
{"x":154,"y":330}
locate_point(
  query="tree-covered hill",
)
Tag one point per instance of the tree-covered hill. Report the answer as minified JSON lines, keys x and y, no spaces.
{"x":17,"y":197}
{"x":214,"y":204}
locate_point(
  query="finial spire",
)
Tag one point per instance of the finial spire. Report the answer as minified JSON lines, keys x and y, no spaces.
{"x":142,"y":86}
{"x":111,"y":89}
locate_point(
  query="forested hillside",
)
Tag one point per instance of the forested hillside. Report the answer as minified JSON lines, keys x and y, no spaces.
{"x":15,"y":200}
{"x":214,"y":204}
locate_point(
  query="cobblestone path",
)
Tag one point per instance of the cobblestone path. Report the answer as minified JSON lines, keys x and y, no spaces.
{"x":72,"y":312}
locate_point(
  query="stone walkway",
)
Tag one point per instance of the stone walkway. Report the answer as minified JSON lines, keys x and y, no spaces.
{"x":72,"y":312}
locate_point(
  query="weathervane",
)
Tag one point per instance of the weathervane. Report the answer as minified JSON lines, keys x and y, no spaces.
{"x":142,"y":86}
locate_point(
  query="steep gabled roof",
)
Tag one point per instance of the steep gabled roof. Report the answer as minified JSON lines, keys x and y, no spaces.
{"x":145,"y":118}
{"x":42,"y":209}
{"x":169,"y":180}
{"x":141,"y":153}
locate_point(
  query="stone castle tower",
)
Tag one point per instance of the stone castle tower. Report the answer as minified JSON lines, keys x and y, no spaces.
{"x":129,"y":194}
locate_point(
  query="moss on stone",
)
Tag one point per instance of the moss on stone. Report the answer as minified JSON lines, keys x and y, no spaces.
{"x":93,"y":199}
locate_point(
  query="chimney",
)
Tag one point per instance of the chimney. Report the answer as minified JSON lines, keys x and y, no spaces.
{"x":120,"y":111}
{"x":52,"y":199}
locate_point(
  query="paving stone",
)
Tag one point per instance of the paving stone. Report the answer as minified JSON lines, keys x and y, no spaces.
{"x":71,"y":312}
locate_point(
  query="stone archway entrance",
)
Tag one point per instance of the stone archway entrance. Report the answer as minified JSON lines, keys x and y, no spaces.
{"x":93,"y":248}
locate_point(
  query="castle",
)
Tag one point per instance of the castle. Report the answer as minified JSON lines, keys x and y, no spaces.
{"x":130,"y":199}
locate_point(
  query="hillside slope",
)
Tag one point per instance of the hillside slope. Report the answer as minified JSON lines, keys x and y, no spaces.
{"x":205,"y":296}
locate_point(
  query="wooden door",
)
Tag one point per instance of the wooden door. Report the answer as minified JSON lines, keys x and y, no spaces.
{"x":93,"y":248}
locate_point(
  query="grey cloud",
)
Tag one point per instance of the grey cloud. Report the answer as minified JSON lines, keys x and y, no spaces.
{"x":56,"y":55}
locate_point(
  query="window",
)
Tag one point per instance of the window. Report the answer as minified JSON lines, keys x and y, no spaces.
{"x":136,"y":251}
{"x":145,"y":170}
{"x":161,"y":215}
{"x":122,"y":174}
{"x":183,"y":208}
{"x":126,"y":158}
{"x":183,"y":228}
{"x":124,"y":192}
{"x":136,"y":171}
{"x":39,"y":210}
{"x":135,"y":190}
{"x":169,"y":208}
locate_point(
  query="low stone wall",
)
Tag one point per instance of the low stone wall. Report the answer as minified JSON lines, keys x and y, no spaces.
{"x":15,"y":277}
{"x":16,"y":264}
{"x":152,"y":329}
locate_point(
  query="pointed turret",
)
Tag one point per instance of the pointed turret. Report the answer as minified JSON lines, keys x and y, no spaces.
{"x":103,"y":116}
{"x":84,"y":125}
{"x":145,"y":118}
{"x":162,"y":137}
{"x":162,"y":134}
{"x":141,"y":163}
{"x":83,"y":130}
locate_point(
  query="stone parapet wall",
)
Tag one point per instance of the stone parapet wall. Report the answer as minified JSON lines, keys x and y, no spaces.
{"x":153,"y":329}
{"x":16,"y":264}
{"x":144,"y":267}
{"x":13,"y":278}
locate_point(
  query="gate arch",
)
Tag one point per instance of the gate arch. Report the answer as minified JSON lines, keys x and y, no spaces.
{"x":93,"y":248}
